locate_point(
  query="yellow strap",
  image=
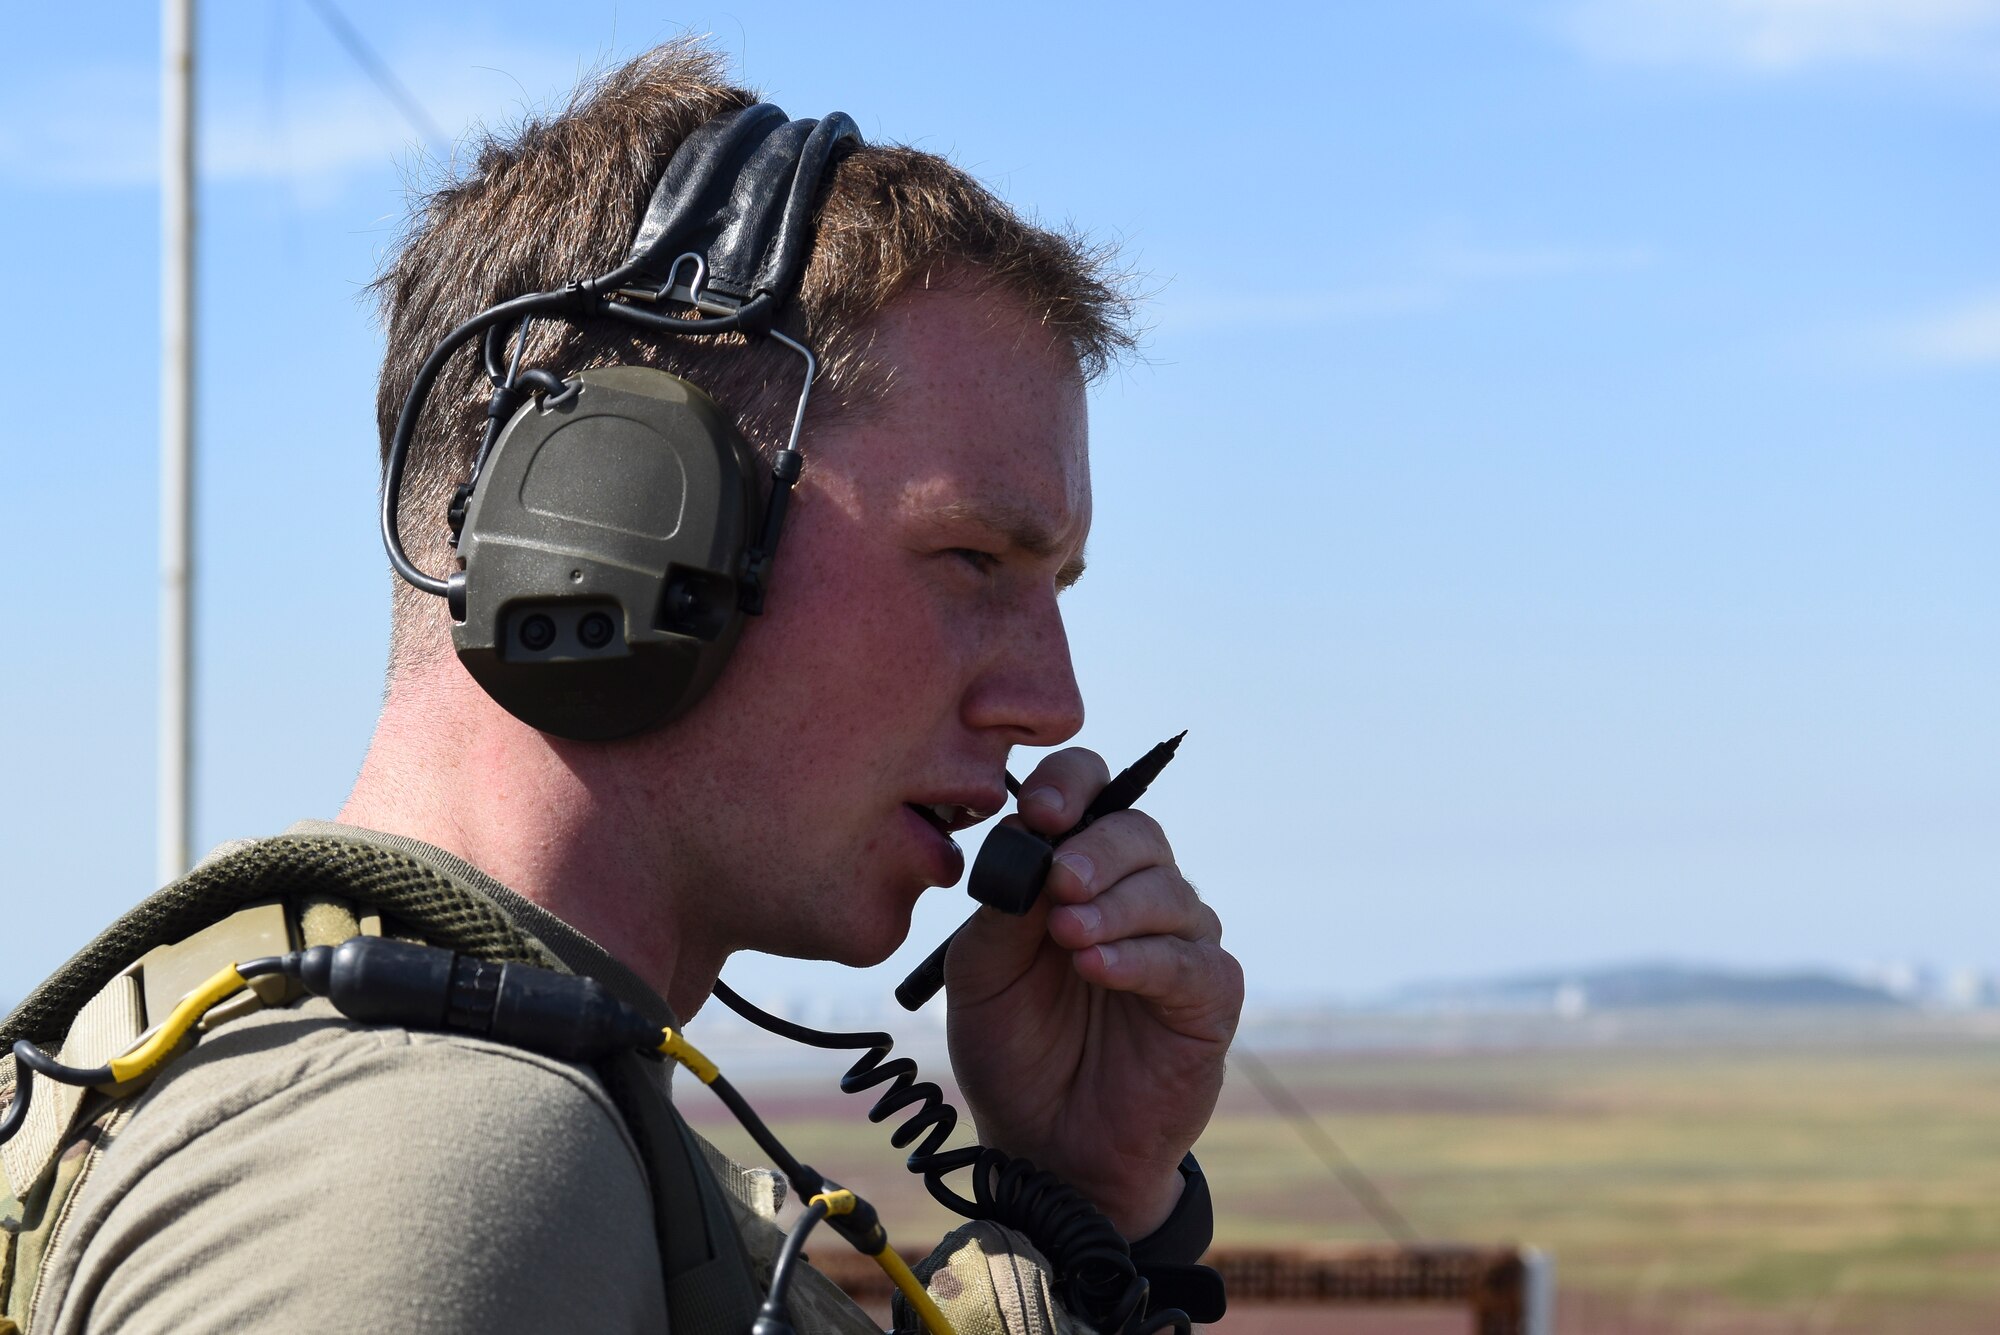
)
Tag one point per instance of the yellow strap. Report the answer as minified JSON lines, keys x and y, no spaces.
{"x":688,"y":1055}
{"x":915,"y":1292}
{"x":185,"y":1016}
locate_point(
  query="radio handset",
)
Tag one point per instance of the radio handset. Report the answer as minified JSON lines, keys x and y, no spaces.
{"x":1014,"y":863}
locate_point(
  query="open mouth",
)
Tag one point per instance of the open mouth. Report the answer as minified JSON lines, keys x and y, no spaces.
{"x":947,"y":818}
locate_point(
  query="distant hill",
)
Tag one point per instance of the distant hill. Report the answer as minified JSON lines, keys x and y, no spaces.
{"x":1645,"y":987}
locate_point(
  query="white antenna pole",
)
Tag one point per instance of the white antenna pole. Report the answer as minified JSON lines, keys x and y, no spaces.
{"x":176,"y":433}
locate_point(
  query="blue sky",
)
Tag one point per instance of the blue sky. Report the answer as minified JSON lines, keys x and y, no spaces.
{"x":1556,"y":492}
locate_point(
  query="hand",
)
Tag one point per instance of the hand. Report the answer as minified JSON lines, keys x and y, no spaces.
{"x":1089,"y":1034}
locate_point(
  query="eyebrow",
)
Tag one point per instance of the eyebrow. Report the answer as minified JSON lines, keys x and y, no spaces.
{"x":1022,"y":527}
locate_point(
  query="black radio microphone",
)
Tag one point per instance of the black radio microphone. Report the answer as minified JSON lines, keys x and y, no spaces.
{"x":1014,"y":862}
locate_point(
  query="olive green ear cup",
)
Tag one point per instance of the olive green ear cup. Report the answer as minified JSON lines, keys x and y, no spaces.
{"x":603,"y":548}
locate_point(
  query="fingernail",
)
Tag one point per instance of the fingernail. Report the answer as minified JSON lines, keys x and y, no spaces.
{"x":1044,"y":796}
{"x":1107,"y":956}
{"x":1079,"y":866}
{"x":1087,"y":917}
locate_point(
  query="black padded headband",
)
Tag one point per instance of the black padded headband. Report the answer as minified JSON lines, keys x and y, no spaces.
{"x":739,"y":192}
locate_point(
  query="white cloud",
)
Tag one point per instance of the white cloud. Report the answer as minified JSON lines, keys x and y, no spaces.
{"x":1967,"y":335}
{"x":1779,"y":36}
{"x":99,"y":127}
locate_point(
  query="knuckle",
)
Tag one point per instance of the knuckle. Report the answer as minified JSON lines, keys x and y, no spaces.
{"x":1095,"y":844}
{"x":1193,"y":970}
{"x":1231,"y":977}
{"x":1139,"y":835}
{"x":1076,"y":762}
{"x":1155,"y":902}
{"x":1145,"y":826}
{"x":1075,"y":774}
{"x":1112,"y":924}
{"x":1153,"y":888}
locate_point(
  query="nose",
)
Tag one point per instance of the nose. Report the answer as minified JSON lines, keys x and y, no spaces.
{"x":1029,"y":689}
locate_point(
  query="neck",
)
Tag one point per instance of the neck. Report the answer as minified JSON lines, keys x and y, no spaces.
{"x":450,"y":768}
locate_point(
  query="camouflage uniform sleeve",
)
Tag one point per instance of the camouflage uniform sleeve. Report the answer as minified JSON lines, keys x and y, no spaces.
{"x":990,"y":1280}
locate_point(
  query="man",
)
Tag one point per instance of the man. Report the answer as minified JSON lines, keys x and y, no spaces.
{"x":298,"y":1171}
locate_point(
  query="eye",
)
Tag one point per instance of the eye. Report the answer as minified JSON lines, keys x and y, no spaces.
{"x":984,"y":563}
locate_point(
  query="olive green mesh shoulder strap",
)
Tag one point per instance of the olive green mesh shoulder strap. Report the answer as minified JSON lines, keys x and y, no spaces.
{"x":292,"y":867}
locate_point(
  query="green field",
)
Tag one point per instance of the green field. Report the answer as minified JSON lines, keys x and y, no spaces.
{"x":1785,"y":1177}
{"x":1834,"y":1183}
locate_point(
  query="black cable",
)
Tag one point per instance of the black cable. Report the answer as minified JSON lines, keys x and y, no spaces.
{"x":787,"y":1264}
{"x":34,"y":1059}
{"x":406,"y":422}
{"x":490,"y":352}
{"x":806,"y":1183}
{"x":17,"y":1111}
{"x":501,"y":405}
{"x":1358,"y":1185}
{"x":29,"y":1062}
{"x":1092,"y":1260}
{"x":1171,"y":1318}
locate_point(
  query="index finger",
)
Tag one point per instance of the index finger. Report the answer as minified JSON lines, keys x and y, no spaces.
{"x":1055,"y":793}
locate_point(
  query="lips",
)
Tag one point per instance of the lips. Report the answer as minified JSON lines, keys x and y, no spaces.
{"x":934,"y":822}
{"x":948,"y":818}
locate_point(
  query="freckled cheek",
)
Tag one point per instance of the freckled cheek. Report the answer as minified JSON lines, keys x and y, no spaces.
{"x":892,"y":623}
{"x":839,"y":610}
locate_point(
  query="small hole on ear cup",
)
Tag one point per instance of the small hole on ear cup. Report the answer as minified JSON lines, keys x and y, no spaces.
{"x":595,"y":630}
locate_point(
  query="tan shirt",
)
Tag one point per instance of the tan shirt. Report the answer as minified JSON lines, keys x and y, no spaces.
{"x":296,"y":1172}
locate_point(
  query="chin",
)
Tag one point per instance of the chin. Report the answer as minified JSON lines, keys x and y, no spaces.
{"x":858,"y":922}
{"x":860,"y":940}
{"x":865,"y":949}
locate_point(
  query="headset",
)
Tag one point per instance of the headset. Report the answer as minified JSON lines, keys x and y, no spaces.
{"x":610,"y":533}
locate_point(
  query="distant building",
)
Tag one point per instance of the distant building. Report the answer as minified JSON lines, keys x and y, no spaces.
{"x":1962,"y":988}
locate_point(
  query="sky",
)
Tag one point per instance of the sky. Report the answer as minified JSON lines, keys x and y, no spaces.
{"x":1555,"y":491}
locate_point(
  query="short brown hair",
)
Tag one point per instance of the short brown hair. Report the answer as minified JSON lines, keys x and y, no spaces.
{"x":560,"y":198}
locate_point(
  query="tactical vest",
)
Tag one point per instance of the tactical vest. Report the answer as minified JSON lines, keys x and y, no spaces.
{"x":286,"y":894}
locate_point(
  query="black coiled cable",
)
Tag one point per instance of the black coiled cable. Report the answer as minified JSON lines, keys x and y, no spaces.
{"x":1092,"y":1261}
